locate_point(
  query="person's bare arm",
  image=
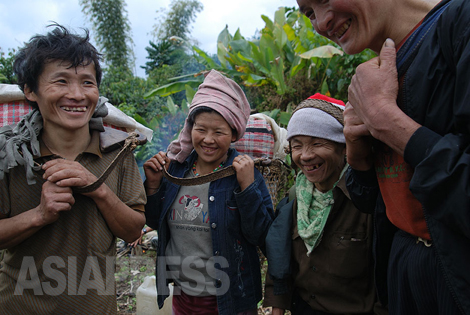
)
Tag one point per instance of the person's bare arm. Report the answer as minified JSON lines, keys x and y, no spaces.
{"x":139,"y":240}
{"x":125,"y":222}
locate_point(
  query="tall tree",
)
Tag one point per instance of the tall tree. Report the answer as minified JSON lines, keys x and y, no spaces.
{"x":172,"y":34}
{"x":111,"y":25}
{"x":169,"y":55}
{"x":6,"y":67}
{"x":177,"y":22}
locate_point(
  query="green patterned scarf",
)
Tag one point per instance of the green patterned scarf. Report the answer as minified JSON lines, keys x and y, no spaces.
{"x":313,"y":209}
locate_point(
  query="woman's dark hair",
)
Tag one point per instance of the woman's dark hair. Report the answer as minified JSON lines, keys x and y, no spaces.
{"x":59,"y":44}
{"x":199,"y":110}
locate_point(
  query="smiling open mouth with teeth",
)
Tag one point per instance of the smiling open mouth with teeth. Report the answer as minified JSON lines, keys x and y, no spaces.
{"x":208,"y":150}
{"x":343,"y":29}
{"x":312,"y":167}
{"x":74,"y":109}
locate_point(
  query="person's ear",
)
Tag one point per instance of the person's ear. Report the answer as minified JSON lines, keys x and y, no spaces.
{"x":29,"y":94}
{"x":234,"y":136}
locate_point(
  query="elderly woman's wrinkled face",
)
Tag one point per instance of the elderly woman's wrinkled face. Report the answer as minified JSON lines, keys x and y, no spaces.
{"x":319,"y":159}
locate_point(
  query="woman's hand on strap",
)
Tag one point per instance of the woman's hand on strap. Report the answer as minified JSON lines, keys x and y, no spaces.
{"x":244,"y":166}
{"x":153,"y":169}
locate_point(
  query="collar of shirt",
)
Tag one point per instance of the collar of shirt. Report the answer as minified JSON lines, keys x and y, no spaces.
{"x":93,"y":146}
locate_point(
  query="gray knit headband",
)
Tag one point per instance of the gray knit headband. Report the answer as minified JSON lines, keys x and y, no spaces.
{"x":325,"y":106}
{"x":317,"y":118}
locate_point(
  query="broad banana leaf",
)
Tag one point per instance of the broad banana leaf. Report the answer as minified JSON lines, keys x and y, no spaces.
{"x":269,"y":23}
{"x":326,"y":51}
{"x":171,"y":105}
{"x":175,"y":87}
{"x":208,"y":59}
{"x":222,"y":52}
{"x":190,"y":92}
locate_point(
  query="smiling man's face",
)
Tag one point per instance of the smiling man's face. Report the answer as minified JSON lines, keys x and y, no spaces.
{"x":353,"y":24}
{"x":66,"y":97}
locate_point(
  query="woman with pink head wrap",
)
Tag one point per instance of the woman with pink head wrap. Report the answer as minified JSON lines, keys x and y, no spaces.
{"x":222,"y":95}
{"x":215,"y":227}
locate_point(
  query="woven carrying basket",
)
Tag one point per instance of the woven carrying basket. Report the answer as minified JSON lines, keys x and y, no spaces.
{"x":275,"y":176}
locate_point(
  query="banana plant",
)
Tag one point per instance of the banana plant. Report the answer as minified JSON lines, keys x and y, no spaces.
{"x":288,"y":59}
{"x":283,"y":50}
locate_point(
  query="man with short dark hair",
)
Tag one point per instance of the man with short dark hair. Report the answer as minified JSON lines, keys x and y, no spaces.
{"x":60,"y":243}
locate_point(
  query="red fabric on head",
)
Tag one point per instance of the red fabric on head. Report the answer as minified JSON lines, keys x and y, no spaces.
{"x":319,"y":96}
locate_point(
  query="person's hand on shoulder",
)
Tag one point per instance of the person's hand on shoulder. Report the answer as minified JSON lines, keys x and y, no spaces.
{"x":374,"y":88}
{"x":66,"y":173}
{"x":244,"y":166}
{"x":153,"y":169}
{"x":373,"y":93}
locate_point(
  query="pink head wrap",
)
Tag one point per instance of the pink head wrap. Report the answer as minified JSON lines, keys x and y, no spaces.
{"x":224,"y":96}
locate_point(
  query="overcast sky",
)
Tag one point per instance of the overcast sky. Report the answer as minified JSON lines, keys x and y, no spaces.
{"x":21,"y":19}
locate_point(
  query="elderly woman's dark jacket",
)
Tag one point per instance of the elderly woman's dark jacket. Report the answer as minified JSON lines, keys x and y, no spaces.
{"x":337,"y":277}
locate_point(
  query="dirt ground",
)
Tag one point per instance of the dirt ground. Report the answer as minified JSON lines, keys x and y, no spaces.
{"x":131,"y":269}
{"x":132,"y":266}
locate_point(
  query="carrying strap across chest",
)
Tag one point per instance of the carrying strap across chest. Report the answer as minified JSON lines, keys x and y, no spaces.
{"x":130,"y":143}
{"x":261,"y":164}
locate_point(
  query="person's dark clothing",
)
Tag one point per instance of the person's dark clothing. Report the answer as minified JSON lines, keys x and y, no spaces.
{"x":435,"y":93}
{"x":337,"y":277}
{"x":239,"y":222}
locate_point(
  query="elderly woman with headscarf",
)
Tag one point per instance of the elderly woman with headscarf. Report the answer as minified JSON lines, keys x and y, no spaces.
{"x":209,"y":233}
{"x":319,"y":246}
